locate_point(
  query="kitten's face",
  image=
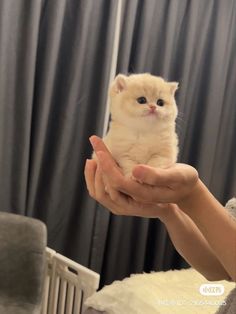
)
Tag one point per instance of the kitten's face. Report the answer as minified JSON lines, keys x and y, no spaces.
{"x":143,"y":99}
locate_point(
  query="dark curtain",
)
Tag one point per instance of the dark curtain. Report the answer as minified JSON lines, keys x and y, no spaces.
{"x":55,"y":60}
{"x":194,"y":43}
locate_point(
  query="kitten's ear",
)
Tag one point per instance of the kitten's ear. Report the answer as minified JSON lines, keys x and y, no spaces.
{"x":119,"y":84}
{"x":173,"y":87}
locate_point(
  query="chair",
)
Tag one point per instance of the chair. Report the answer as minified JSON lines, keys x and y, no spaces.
{"x":34,"y":279}
{"x":22,"y":264}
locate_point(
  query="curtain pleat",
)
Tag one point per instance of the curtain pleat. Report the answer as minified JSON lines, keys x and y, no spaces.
{"x":55,"y":63}
{"x":19,"y":27}
{"x":192,"y":42}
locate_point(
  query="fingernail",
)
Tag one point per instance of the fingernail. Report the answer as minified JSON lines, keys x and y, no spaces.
{"x":92,"y":140}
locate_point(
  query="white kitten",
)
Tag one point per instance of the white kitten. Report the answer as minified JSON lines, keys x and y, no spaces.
{"x":142,"y":126}
{"x":231,"y":207}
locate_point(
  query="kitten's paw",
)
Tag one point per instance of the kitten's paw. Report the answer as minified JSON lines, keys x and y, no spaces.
{"x":163,"y":163}
{"x":129,"y":175}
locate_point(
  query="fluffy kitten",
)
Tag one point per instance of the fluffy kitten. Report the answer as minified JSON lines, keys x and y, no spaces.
{"x":142,"y":126}
{"x":231,"y":207}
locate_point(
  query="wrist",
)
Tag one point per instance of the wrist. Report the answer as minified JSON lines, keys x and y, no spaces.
{"x":193,"y":197}
{"x":168,"y":213}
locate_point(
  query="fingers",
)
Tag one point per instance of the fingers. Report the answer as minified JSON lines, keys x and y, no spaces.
{"x":116,"y":181}
{"x":99,"y":184}
{"x":97,"y":190}
{"x":177,"y":175}
{"x":89,"y":173}
{"x":94,"y":181}
{"x":111,"y":172}
{"x":117,"y":202}
{"x":158,"y":185}
{"x":154,"y":176}
{"x":109,"y":167}
{"x":98,"y":145}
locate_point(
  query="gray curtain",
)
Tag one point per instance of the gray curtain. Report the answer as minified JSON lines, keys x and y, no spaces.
{"x":55,"y":59}
{"x":194,"y":43}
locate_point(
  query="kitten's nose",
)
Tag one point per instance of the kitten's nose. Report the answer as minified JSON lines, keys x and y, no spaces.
{"x":152,"y":107}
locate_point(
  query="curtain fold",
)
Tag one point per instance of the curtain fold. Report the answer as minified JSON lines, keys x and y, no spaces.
{"x":19,"y":26}
{"x":55,"y":65}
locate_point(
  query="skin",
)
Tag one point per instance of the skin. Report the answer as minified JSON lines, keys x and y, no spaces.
{"x":177,"y":197}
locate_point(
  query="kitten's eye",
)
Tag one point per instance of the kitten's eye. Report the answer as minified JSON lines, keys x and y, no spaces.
{"x":160,"y":102}
{"x":142,"y":100}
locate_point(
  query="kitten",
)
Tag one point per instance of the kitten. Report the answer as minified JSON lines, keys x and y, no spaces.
{"x":142,"y":127}
{"x":231,"y":207}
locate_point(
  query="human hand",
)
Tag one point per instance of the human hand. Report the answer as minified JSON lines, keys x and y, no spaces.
{"x":171,"y":185}
{"x":117,"y":202}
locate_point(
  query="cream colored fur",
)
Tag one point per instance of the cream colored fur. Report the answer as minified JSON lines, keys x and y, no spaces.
{"x":170,"y":292}
{"x":142,"y":133}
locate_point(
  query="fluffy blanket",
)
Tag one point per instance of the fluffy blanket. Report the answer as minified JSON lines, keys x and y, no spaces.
{"x":168,"y":292}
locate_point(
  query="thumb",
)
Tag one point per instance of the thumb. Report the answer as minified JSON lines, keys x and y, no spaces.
{"x":153,"y":176}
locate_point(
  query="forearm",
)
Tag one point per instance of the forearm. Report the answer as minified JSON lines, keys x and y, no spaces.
{"x":190,"y":243}
{"x":215,"y":224}
{"x":177,"y":184}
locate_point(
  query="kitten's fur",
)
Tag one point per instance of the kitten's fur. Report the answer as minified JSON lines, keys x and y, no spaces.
{"x":142,"y":133}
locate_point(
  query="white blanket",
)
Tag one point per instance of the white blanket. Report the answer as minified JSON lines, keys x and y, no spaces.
{"x":160,"y":292}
